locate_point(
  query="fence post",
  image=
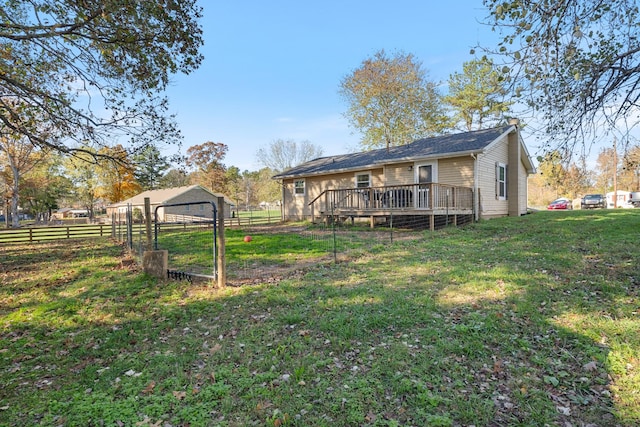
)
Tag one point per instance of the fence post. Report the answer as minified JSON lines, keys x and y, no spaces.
{"x":222,"y":271}
{"x":147,"y":220}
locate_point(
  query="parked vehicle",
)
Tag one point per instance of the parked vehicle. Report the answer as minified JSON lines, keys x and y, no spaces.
{"x":634,"y":200}
{"x":592,"y":201}
{"x":560,"y":204}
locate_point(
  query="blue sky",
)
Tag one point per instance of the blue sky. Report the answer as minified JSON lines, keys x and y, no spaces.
{"x":272,"y":69}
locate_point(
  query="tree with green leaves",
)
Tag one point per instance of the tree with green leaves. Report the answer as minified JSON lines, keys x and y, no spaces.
{"x":233,"y":178}
{"x":477,"y":95}
{"x":174,"y":178}
{"x":574,"y":62}
{"x":94,"y":71}
{"x":83,"y":172}
{"x":44,"y":187}
{"x":391,"y":101}
{"x":150,"y":166}
{"x":18,"y":157}
{"x":283,"y":154}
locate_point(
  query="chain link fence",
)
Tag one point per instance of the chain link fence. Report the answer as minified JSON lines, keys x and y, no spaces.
{"x":264,"y":252}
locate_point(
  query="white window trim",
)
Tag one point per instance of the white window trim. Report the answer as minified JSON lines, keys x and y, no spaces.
{"x":355,"y":178}
{"x":499,"y":166}
{"x":304,"y":187}
{"x":434,"y":171}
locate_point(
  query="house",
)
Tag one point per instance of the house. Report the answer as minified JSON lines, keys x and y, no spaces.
{"x":617,"y":199}
{"x":172,"y":196}
{"x":480,"y":174}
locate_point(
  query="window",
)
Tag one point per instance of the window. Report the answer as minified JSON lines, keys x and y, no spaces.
{"x":298,"y":187}
{"x":425,"y":174}
{"x":363,"y":180}
{"x":501,"y":181}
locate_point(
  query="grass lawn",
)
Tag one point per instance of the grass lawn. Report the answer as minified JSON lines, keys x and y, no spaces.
{"x":526,"y":321}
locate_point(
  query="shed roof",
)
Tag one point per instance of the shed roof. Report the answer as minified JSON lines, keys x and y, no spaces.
{"x":165,"y":195}
{"x":425,"y":148}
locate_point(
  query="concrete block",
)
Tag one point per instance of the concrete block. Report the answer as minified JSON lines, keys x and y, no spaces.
{"x":156,"y":263}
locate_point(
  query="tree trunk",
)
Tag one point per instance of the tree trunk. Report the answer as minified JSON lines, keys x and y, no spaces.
{"x":15,"y":218}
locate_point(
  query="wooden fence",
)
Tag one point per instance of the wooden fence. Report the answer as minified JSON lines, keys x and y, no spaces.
{"x":39,"y":234}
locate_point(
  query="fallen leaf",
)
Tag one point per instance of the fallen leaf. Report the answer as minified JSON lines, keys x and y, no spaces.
{"x":180,"y":395}
{"x":149,"y":388}
{"x":591,"y":366}
{"x":263,"y":405}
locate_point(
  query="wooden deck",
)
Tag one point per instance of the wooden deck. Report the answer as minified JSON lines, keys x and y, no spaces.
{"x":401,"y":200}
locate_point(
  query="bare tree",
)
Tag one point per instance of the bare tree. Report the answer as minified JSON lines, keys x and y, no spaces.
{"x":283,"y":154}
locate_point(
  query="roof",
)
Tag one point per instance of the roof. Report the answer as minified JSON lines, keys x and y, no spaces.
{"x":165,"y":195}
{"x":425,"y":148}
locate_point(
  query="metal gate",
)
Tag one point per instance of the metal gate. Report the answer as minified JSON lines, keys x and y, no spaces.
{"x":188,"y":232}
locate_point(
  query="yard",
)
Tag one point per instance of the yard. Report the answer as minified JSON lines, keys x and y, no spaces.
{"x":517,"y":321}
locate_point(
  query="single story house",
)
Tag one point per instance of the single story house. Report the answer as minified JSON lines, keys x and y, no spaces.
{"x":70,"y":213}
{"x":481,"y":174}
{"x":187,"y":198}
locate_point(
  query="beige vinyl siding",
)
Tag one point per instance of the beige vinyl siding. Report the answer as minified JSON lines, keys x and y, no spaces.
{"x":490,"y":206}
{"x":456,"y":171}
{"x":297,"y":206}
{"x":399,"y":174}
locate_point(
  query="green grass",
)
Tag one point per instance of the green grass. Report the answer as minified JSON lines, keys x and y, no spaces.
{"x":267,"y":250}
{"x":260,"y":213}
{"x":518,"y":321}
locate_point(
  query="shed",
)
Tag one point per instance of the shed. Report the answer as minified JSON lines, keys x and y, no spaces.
{"x":177,"y":195}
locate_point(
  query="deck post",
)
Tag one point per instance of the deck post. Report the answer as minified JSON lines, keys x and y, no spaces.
{"x":432,"y":222}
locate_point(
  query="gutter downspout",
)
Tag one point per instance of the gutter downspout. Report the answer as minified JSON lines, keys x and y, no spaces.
{"x":476,"y":195}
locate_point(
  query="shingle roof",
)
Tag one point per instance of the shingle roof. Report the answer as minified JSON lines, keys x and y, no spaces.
{"x":434,"y":147}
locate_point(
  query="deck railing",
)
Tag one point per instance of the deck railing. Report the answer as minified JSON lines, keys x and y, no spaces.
{"x":412,"y":197}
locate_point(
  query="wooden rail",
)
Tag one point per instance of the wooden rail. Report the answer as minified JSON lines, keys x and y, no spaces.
{"x":413,"y":197}
{"x":40,"y":234}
